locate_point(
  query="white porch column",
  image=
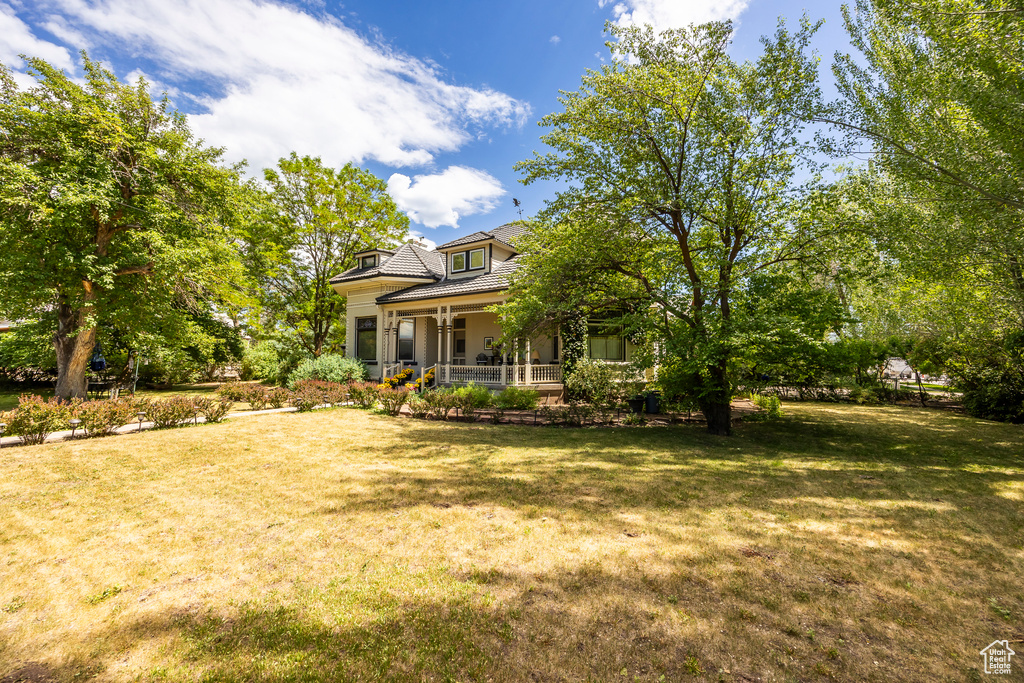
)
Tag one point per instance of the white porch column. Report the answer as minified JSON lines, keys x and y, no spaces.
{"x":515,"y":362}
{"x":449,"y":350}
{"x":440,"y":339}
{"x":528,"y":372}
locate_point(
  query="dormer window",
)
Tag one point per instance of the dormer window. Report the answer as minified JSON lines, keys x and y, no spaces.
{"x":468,"y":260}
{"x":369,"y":261}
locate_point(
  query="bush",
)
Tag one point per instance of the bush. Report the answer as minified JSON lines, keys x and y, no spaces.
{"x":106,"y":415}
{"x":591,"y":382}
{"x":471,"y":398}
{"x":236,"y":391}
{"x":173,"y":411}
{"x":257,"y":396}
{"x":439,"y":402}
{"x":260,"y":362}
{"x":214,"y":409}
{"x":393,"y":398}
{"x":35,"y":419}
{"x":331,"y":393}
{"x":514,"y":398}
{"x":364,"y":394}
{"x":418,"y":406}
{"x":329,"y":368}
{"x":278,"y":397}
{"x":771,"y":405}
{"x":305,"y":397}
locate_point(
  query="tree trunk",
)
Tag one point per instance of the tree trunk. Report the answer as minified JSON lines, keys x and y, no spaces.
{"x":716,"y":403}
{"x":718,"y":417}
{"x":74,"y":344}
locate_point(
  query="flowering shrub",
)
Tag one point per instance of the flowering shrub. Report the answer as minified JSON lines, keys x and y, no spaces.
{"x":105,"y":415}
{"x":35,"y":419}
{"x":328,"y":368}
{"x":426,"y":380}
{"x":393,"y":398}
{"x":399,"y":378}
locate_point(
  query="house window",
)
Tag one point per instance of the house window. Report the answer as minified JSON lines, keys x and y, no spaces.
{"x":369,"y":261}
{"x":460,"y":323}
{"x":604,"y":343}
{"x":366,"y":339}
{"x":468,"y":260}
{"x":406,"y":339}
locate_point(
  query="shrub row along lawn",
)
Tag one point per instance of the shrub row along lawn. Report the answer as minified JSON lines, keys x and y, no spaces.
{"x":840,"y":543}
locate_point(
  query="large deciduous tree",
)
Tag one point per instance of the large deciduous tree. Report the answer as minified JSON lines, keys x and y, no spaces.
{"x":110,"y":212}
{"x":319,"y":219}
{"x":680,"y":167}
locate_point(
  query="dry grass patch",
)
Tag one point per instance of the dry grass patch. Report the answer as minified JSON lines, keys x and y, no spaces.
{"x":844,"y":543}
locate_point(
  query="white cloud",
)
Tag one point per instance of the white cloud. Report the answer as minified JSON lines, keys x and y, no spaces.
{"x":664,"y":14}
{"x":285,"y":80}
{"x":17,"y":38}
{"x":443,"y":198}
{"x":554,"y":40}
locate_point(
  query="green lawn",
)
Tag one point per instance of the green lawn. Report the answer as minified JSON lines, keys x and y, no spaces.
{"x":842,"y":543}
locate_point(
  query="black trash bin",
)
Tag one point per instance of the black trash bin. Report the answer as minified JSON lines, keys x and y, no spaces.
{"x":653,"y":402}
{"x":636,"y":405}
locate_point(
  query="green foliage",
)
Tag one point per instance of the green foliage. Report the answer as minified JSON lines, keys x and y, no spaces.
{"x":471,"y":398}
{"x":439,"y":402}
{"x":173,"y":411}
{"x":418,"y":406}
{"x":113,"y":215}
{"x":26,"y":354}
{"x":991,"y":377}
{"x":257,"y":396}
{"x":317,"y":219}
{"x":35,"y":419}
{"x":105,"y":416}
{"x":770,"y":405}
{"x":681,"y":166}
{"x":329,"y":368}
{"x":278,"y":397}
{"x":592,"y":382}
{"x":235,"y":391}
{"x":364,"y":394}
{"x":260,"y":362}
{"x":393,"y":398}
{"x":573,"y":336}
{"x":517,"y":398}
{"x":214,"y":409}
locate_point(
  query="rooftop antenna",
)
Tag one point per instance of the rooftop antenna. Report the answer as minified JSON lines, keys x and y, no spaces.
{"x":518,"y":205}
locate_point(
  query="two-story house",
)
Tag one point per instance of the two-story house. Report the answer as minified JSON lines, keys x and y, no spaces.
{"x":428,"y":309}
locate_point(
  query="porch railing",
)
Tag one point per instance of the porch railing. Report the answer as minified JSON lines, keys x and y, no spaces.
{"x":499,"y":375}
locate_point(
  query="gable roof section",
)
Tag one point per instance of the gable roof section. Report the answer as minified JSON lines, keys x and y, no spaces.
{"x":495,"y":281}
{"x":504,"y":234}
{"x":408,"y":261}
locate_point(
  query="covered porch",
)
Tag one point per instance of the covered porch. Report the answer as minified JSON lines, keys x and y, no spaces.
{"x":460,"y":343}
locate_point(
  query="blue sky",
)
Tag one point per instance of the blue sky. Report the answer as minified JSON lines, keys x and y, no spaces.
{"x":439,"y":98}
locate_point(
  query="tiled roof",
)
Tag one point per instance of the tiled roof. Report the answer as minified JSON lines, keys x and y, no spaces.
{"x":494,"y":281}
{"x":504,"y":234}
{"x":409,"y":261}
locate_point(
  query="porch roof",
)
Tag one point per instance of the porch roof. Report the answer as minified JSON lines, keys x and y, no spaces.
{"x":495,"y":281}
